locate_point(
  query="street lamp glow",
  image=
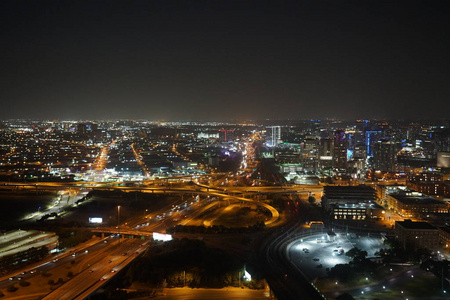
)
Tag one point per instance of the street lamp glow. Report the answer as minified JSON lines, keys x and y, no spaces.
{"x":118,"y":216}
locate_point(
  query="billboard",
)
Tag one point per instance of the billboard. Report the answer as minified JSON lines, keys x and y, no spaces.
{"x":162,"y":237}
{"x":96,"y":220}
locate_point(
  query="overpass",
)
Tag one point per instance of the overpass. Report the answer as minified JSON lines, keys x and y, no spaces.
{"x":122,"y":232}
{"x":229,"y":192}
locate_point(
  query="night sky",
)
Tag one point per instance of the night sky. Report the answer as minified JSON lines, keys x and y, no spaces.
{"x":223,"y":60}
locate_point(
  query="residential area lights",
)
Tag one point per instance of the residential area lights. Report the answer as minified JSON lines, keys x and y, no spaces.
{"x":161,"y":162}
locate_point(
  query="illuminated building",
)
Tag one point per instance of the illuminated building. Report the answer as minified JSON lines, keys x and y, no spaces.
{"x":326,"y":147}
{"x":274,"y":136}
{"x":416,"y":235}
{"x":226,"y":135}
{"x":310,"y":154}
{"x":385,"y":156}
{"x":340,"y":150}
{"x":351,"y":202}
{"x":414,"y":204}
{"x":372,"y":136}
{"x":444,"y":236}
{"x":359,"y":211}
{"x":86,"y":128}
{"x":428,"y":183}
{"x":360,"y":128}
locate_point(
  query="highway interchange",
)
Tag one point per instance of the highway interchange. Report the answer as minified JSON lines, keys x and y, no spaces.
{"x":96,"y":261}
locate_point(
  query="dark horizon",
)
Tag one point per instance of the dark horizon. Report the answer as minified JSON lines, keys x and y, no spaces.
{"x":222,"y":60}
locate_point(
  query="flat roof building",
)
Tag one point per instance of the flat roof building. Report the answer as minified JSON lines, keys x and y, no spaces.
{"x":352,"y":202}
{"x":413,"y":204}
{"x":416,"y":235}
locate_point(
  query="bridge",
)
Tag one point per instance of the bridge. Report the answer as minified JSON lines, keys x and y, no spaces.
{"x":122,"y":232}
{"x":242,"y":194}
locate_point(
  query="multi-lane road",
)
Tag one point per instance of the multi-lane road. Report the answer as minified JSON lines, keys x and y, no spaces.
{"x":103,"y":266}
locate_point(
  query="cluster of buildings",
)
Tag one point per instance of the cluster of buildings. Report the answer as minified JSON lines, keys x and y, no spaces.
{"x":48,"y":150}
{"x":429,"y":183}
{"x":425,"y":222}
{"x":410,"y":203}
{"x":302,"y":149}
{"x":362,"y":148}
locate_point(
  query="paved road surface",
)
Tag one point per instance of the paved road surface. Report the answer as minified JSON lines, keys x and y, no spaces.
{"x":225,"y":293}
{"x":99,"y":273}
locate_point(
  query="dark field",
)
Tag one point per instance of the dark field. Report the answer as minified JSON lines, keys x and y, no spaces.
{"x":15,"y":205}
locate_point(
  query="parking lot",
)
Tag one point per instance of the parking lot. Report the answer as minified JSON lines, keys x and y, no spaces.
{"x":314,"y":255}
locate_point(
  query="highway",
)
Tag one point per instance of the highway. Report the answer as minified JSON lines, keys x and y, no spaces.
{"x":112,"y":261}
{"x":207,"y":190}
{"x":57,"y":261}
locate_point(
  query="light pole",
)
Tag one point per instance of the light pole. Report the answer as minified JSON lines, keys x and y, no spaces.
{"x":118,"y":221}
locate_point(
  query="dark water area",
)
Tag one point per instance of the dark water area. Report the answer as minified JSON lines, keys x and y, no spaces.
{"x":16,"y":205}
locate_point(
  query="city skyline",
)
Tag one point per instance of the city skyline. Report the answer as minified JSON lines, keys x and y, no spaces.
{"x":94,"y":208}
{"x":224,"y":60}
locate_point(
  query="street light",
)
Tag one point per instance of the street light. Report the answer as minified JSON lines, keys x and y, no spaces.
{"x":118,"y":217}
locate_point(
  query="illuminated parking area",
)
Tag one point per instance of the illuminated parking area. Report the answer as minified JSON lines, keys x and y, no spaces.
{"x":315,"y":254}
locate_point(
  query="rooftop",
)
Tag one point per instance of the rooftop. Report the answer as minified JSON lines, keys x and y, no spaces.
{"x":414,"y":225}
{"x":360,"y":193}
{"x":415,"y":198}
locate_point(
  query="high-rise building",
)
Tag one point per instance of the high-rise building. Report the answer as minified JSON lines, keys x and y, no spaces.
{"x":274,"y":136}
{"x":226,"y":135}
{"x":326,"y":147}
{"x":385,"y":156}
{"x":372,"y":136}
{"x":351,"y":139}
{"x":340,"y":150}
{"x":310,"y":153}
{"x":360,"y":152}
{"x":360,"y":129}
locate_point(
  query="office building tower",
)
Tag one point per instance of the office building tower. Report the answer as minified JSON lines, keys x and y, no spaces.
{"x":385,"y":156}
{"x":274,"y":136}
{"x":310,"y":154}
{"x":326,"y":147}
{"x":372,"y":137}
{"x":340,"y":150}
